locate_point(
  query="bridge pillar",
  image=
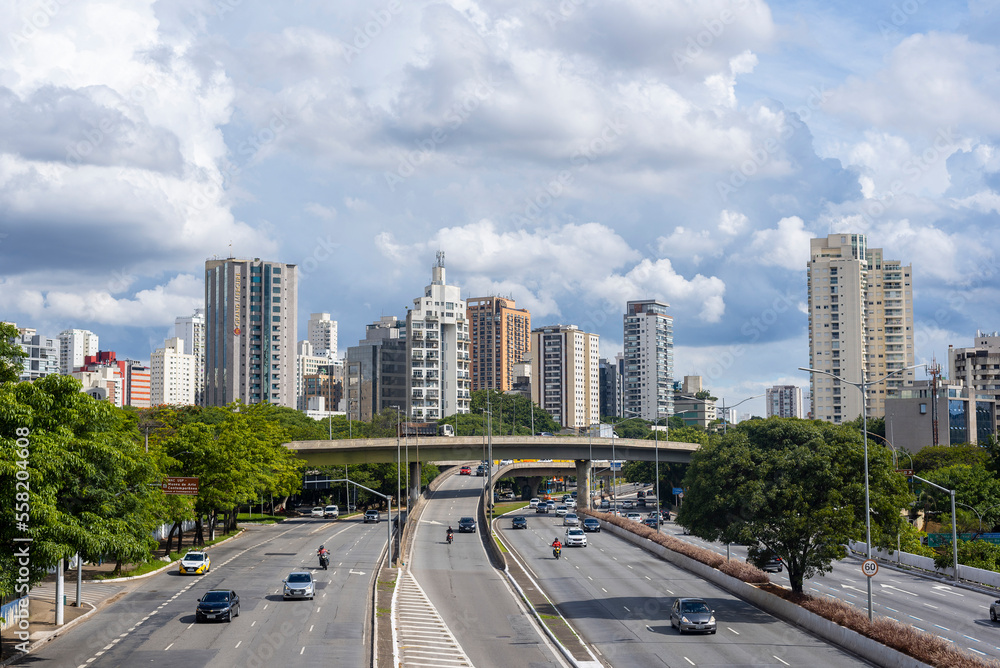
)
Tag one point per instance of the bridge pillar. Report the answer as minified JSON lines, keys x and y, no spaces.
{"x":533,"y":483}
{"x":583,"y":483}
{"x":414,"y":492}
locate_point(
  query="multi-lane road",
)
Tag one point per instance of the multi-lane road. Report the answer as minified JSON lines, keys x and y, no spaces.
{"x":617,"y":597}
{"x":154,"y":623}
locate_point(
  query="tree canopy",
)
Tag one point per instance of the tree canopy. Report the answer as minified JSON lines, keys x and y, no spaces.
{"x":12,"y":355}
{"x":938,"y":456}
{"x":794,"y":488}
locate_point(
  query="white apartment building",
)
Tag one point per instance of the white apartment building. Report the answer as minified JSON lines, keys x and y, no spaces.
{"x":784,"y":401}
{"x":648,"y":373}
{"x":566,"y":374}
{"x":250,"y":332}
{"x":322,"y":334}
{"x":173,"y":375}
{"x":74,"y":345}
{"x":192,"y":329}
{"x":860,"y":321}
{"x":103,"y":383}
{"x":307,"y":363}
{"x":437,"y":347}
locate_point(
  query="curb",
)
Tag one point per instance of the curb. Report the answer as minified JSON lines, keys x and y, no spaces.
{"x":51,"y":636}
{"x":165,"y":566}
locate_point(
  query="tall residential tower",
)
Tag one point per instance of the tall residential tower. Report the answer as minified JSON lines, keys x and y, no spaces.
{"x":648,"y":376}
{"x":250,"y":332}
{"x":566,"y":375}
{"x":500,"y":335}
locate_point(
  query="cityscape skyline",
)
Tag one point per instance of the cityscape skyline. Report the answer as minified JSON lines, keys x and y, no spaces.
{"x":572,"y":159}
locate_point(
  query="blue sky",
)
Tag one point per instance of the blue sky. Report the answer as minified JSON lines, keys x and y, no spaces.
{"x":572,"y":156}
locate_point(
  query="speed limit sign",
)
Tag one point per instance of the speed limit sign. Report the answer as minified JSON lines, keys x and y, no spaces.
{"x":869,"y":567}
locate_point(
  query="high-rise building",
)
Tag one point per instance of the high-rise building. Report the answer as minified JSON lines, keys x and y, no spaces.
{"x":978,"y":368}
{"x":43,"y":354}
{"x":437,"y":344}
{"x":307,"y":363}
{"x":500,"y":336}
{"x":323,"y":385}
{"x":192,"y":330}
{"x":322,"y":334}
{"x":173,"y":374}
{"x":250,"y":332}
{"x":693,"y":411}
{"x":860,"y":322}
{"x":74,"y":345}
{"x":131,"y":378}
{"x":648,"y":376}
{"x":611,"y":388}
{"x":939,"y":413}
{"x":376,"y":371}
{"x":784,"y":401}
{"x":566,"y":376}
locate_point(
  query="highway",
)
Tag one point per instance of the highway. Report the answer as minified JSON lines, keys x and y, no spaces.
{"x":617,"y":597}
{"x":154,"y":623}
{"x":957,"y":614}
{"x":472,"y":598}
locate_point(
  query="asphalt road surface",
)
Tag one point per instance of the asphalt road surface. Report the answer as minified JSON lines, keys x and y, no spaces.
{"x":618,"y":596}
{"x":471,"y":597}
{"x":154,"y":624}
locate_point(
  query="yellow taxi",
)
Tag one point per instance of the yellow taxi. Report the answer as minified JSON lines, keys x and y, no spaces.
{"x":195,"y":563}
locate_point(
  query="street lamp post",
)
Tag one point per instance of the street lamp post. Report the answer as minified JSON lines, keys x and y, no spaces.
{"x":725,"y":418}
{"x":388,"y":522}
{"x":959,"y":503}
{"x":863,"y":388}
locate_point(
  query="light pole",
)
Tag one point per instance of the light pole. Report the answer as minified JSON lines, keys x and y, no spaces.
{"x":399,"y":475}
{"x":959,"y":503}
{"x":894,"y":449}
{"x":954,"y":525}
{"x":863,"y":388}
{"x":388,"y":522}
{"x":725,"y":420}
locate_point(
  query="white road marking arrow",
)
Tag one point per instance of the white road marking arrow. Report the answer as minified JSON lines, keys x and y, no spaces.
{"x":948,"y":589}
{"x":885,"y":586}
{"x":860,"y":591}
{"x":354,"y":572}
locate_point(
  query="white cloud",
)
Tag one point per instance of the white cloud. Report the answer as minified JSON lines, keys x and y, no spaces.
{"x":785,"y":246}
{"x":732,"y":222}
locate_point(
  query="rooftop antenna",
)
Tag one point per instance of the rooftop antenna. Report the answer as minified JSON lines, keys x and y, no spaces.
{"x":934,"y":369}
{"x":440,"y":258}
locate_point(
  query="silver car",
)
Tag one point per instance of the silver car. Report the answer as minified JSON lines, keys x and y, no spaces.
{"x":299,"y":585}
{"x":692,"y":614}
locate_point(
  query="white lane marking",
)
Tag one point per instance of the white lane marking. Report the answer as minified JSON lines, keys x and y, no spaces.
{"x":943,"y":628}
{"x":971,"y":638}
{"x":311,"y":628}
{"x":780,"y":659}
{"x":413,"y":625}
{"x":604,"y":590}
{"x":885,"y":586}
{"x":916,"y":618}
{"x":689,"y":661}
{"x":948,"y":589}
{"x":302,"y":651}
{"x":733,"y":630}
{"x":931,"y":606}
{"x":977,"y":651}
{"x":168,"y":647}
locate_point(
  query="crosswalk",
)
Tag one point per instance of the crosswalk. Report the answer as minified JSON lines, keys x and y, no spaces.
{"x":92,"y":593}
{"x":420,"y":635}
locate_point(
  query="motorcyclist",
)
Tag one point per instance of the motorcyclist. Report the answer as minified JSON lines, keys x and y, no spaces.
{"x":324,"y":555}
{"x":450,"y":533}
{"x":556,"y":544}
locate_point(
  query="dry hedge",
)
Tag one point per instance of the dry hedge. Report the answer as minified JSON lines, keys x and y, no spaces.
{"x":920,"y":645}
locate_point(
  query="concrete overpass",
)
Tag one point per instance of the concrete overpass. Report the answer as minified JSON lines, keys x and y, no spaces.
{"x":580,"y":449}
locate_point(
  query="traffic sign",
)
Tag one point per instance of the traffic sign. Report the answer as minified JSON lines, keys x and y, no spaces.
{"x":869,"y":567}
{"x":906,"y":472}
{"x":678,"y":490}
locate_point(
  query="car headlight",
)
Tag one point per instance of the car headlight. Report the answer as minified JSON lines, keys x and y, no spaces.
{"x":685,"y":619}
{"x":711,"y":620}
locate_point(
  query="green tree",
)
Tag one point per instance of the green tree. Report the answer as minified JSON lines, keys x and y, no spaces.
{"x":794,"y":488}
{"x":86,"y":484}
{"x":974,"y":486}
{"x":974,"y":553}
{"x":12,"y":355}
{"x":939,"y":456}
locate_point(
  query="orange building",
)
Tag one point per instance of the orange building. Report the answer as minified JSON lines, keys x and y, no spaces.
{"x":501,"y":335}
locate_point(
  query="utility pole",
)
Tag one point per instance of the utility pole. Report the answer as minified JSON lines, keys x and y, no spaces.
{"x":934,"y":369}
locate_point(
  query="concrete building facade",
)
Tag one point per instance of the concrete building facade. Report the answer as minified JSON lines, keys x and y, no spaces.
{"x":74,"y":345}
{"x":784,"y":401}
{"x":961,"y":415}
{"x":250,"y":332}
{"x":611,"y":387}
{"x":860,"y":322}
{"x":322,"y":334}
{"x":500,"y":335}
{"x":192,"y":330}
{"x":566,"y":376}
{"x":173,"y":374}
{"x":307,"y":363}
{"x":648,"y":360}
{"x":376,"y":371}
{"x":978,"y":366}
{"x":437,"y":346}
{"x":43,"y":354}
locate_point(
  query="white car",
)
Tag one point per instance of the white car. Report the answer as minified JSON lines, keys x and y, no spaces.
{"x":561,"y":510}
{"x":571,"y":520}
{"x":534,"y":502}
{"x":571,"y":503}
{"x":317,"y":511}
{"x":298,"y":585}
{"x":635,"y":517}
{"x":575,"y":537}
{"x":198,"y":563}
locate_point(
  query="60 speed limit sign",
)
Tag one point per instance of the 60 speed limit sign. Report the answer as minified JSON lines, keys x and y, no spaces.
{"x":869,"y":567}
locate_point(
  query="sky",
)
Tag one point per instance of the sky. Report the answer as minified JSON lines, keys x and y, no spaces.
{"x":571,"y":155}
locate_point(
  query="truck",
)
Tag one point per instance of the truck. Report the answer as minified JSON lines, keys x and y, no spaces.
{"x":426,"y":429}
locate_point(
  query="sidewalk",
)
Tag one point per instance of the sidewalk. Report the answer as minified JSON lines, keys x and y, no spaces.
{"x":95,"y":594}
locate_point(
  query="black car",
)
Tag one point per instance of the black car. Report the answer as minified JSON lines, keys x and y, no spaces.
{"x":218,"y":604}
{"x":519,"y":522}
{"x":591,"y":524}
{"x":467,"y":525}
{"x":770,"y":563}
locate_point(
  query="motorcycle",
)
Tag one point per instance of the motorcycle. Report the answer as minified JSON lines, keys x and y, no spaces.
{"x":324,"y":561}
{"x":556,"y":551}
{"x":451,"y":536}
